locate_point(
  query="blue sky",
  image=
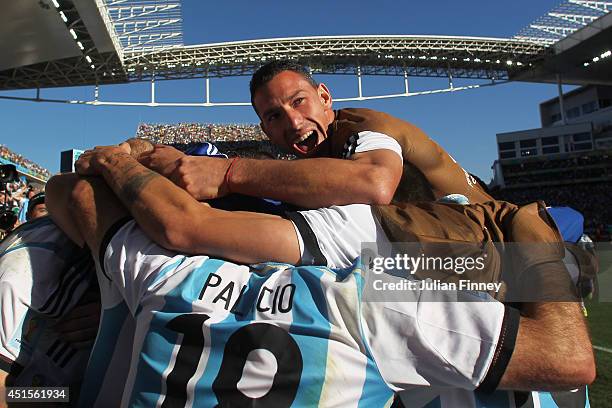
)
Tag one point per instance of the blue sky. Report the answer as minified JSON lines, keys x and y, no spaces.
{"x":465,"y":123}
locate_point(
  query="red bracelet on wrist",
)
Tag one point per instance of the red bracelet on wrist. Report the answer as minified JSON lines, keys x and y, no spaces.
{"x":228,"y":174}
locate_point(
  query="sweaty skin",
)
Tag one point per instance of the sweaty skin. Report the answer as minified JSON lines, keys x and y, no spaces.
{"x":177,"y":221}
{"x":299,"y":118}
{"x":290,"y":108}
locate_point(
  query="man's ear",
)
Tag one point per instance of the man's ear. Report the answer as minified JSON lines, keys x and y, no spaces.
{"x":325,"y":96}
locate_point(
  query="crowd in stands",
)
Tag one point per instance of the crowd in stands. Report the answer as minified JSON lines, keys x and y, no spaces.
{"x":583,"y":182}
{"x":9,"y":157}
{"x":244,"y":140}
{"x":579,"y":162}
{"x":559,"y":177}
{"x":185,"y":133}
{"x":591,"y":199}
{"x":15,"y":195}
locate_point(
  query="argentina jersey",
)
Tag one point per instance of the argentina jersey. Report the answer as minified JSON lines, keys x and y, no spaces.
{"x":209,"y":332}
{"x":43,"y":275}
{"x":212,"y":333}
{"x":108,"y":366}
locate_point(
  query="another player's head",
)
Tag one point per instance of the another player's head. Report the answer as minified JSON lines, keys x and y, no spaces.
{"x":36,"y":207}
{"x":295,"y":111}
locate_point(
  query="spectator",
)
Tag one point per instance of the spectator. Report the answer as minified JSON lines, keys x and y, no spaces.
{"x":37,"y":207}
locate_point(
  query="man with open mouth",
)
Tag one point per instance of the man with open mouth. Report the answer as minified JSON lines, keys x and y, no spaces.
{"x":354,"y":155}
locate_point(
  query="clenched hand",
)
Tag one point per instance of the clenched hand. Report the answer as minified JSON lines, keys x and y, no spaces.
{"x":202,"y":177}
{"x":91,"y":162}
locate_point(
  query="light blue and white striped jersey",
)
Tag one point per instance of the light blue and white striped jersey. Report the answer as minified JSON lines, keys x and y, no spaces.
{"x":43,"y":275}
{"x":209,"y":332}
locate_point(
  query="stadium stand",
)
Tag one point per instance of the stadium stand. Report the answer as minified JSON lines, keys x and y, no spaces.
{"x":566,"y":162}
{"x":15,"y":198}
{"x":582,"y":181}
{"x":244,"y":140}
{"x":591,"y":199}
{"x":570,"y":168}
{"x":197,"y":132}
{"x":23,"y":165}
{"x":17,"y":194}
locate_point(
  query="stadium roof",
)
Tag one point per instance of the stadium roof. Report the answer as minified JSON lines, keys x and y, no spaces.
{"x":50,"y":43}
{"x":375,"y":55}
{"x":40,"y":49}
{"x":582,"y":57}
{"x":90,"y":42}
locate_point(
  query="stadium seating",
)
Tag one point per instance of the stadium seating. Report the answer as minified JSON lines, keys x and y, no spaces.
{"x":245,"y":140}
{"x":591,"y":199}
{"x":23,"y":165}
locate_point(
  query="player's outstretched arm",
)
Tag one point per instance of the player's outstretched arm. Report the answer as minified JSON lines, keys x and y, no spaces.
{"x":553,"y":350}
{"x":369,"y":178}
{"x":167,"y":214}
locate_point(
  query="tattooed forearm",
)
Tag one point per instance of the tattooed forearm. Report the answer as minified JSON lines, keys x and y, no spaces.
{"x":124,"y":167}
{"x":130,"y":191}
{"x":128,"y":178}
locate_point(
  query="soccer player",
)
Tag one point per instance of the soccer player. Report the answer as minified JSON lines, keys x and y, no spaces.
{"x":45,"y":280}
{"x":296,"y":113}
{"x":350,"y":153}
{"x":202,"y":325}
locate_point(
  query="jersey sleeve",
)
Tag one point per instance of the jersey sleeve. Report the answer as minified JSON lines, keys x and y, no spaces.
{"x":367,"y":141}
{"x":333,"y":236}
{"x":440,"y":342}
{"x":41,"y":272}
{"x":14,"y":311}
{"x":133,"y":263}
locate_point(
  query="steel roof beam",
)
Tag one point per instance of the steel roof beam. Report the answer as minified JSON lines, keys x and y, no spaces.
{"x":603,"y":6}
{"x":565,"y":19}
{"x":575,"y":18}
{"x":386,"y":55}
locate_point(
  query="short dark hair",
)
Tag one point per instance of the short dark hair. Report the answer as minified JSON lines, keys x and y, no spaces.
{"x":269,"y":70}
{"x":34,"y":201}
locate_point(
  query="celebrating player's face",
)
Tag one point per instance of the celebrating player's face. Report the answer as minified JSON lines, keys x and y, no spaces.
{"x":294,"y":114}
